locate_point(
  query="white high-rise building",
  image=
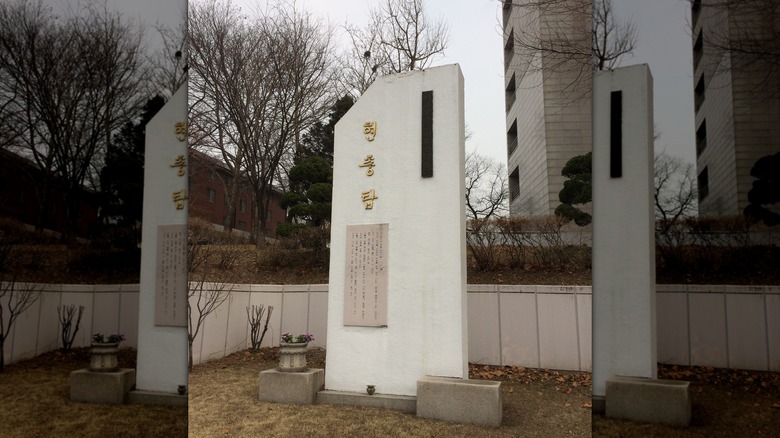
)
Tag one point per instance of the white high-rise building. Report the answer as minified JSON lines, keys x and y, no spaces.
{"x":737,"y":97}
{"x":548,"y":98}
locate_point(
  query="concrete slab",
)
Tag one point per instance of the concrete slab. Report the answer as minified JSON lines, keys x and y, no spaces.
{"x":293,"y":388}
{"x":404,"y":403}
{"x":460,"y":400}
{"x":156,"y":398}
{"x":109,"y":388}
{"x":649,"y":400}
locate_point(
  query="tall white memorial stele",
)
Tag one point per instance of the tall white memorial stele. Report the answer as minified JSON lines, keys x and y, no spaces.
{"x":397,"y":293}
{"x":397,"y":334}
{"x":625,"y":383}
{"x":162,"y":309}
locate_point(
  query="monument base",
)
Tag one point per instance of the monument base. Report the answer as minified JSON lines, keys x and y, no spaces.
{"x":294,"y":388}
{"x":460,"y":400}
{"x":649,"y":400}
{"x":156,"y":398}
{"x":599,"y":405}
{"x":404,"y":403}
{"x":94,"y":387}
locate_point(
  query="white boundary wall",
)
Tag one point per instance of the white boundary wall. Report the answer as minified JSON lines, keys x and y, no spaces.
{"x":532,"y":326}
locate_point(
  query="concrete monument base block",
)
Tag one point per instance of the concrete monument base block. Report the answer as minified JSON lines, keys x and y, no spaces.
{"x":156,"y":398}
{"x":292,"y":388}
{"x":93,"y":387}
{"x":404,"y":403}
{"x":649,"y":400}
{"x":460,"y":400}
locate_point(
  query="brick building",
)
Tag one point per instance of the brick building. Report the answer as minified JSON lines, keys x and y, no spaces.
{"x":21,"y":187}
{"x":209,"y":180}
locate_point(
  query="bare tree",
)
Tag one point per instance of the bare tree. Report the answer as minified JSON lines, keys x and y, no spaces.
{"x":399,"y":37}
{"x":571,"y":38}
{"x":409,"y":39}
{"x":361,"y":63}
{"x":257,"y":83}
{"x":226,"y":90}
{"x":73,"y":82}
{"x":203,"y":298}
{"x":674,"y":191}
{"x":15,"y":298}
{"x":68,"y":332}
{"x":301,"y":71}
{"x":255,"y":317}
{"x":486,"y":187}
{"x":170,"y":62}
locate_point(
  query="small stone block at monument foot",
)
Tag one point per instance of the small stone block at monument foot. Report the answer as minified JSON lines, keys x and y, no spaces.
{"x":293,"y":388}
{"x":460,"y":400}
{"x":109,"y":388}
{"x":649,"y":400}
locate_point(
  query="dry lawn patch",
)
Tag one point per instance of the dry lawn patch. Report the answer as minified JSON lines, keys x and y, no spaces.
{"x":34,"y":396}
{"x":223,"y":402}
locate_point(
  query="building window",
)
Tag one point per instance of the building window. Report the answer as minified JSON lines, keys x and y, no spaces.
{"x":701,"y":137}
{"x":511,"y":138}
{"x":213,"y":174}
{"x":242,"y":205}
{"x":509,"y":49}
{"x":703,"y":182}
{"x":510,"y":94}
{"x":698,"y":50}
{"x":242,"y":225}
{"x":514,"y":184}
{"x":212,"y":194}
{"x":698,"y":92}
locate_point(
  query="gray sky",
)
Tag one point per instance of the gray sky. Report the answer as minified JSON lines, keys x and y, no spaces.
{"x":476,"y":45}
{"x":664,"y":43}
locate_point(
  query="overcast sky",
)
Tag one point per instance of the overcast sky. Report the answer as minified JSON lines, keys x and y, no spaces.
{"x":476,"y":45}
{"x":664,"y":43}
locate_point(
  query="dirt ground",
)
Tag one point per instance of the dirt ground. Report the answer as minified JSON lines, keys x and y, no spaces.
{"x":34,"y":396}
{"x":223,"y":402}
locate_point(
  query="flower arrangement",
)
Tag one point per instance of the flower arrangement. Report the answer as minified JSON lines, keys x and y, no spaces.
{"x":100,"y":338}
{"x":300,"y":339}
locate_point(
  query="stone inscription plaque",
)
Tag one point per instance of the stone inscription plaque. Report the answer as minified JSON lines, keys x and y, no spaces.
{"x":365,"y":297}
{"x":170,"y":307}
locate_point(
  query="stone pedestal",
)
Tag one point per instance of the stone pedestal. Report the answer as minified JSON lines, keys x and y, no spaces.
{"x":101,"y":387}
{"x":460,"y":400}
{"x":140,"y":397}
{"x":405,"y":403}
{"x":649,"y":400}
{"x":293,"y":388}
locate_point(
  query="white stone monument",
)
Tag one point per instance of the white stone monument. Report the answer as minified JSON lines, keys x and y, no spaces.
{"x":397,"y":293}
{"x":162,"y":308}
{"x":624,"y":300}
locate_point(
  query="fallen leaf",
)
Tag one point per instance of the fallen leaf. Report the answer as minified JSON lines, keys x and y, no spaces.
{"x":586,"y":405}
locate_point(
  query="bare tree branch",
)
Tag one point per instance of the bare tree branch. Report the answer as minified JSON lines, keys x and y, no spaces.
{"x":674,"y":190}
{"x":15,"y":298}
{"x":486,"y":187}
{"x":73,"y":81}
